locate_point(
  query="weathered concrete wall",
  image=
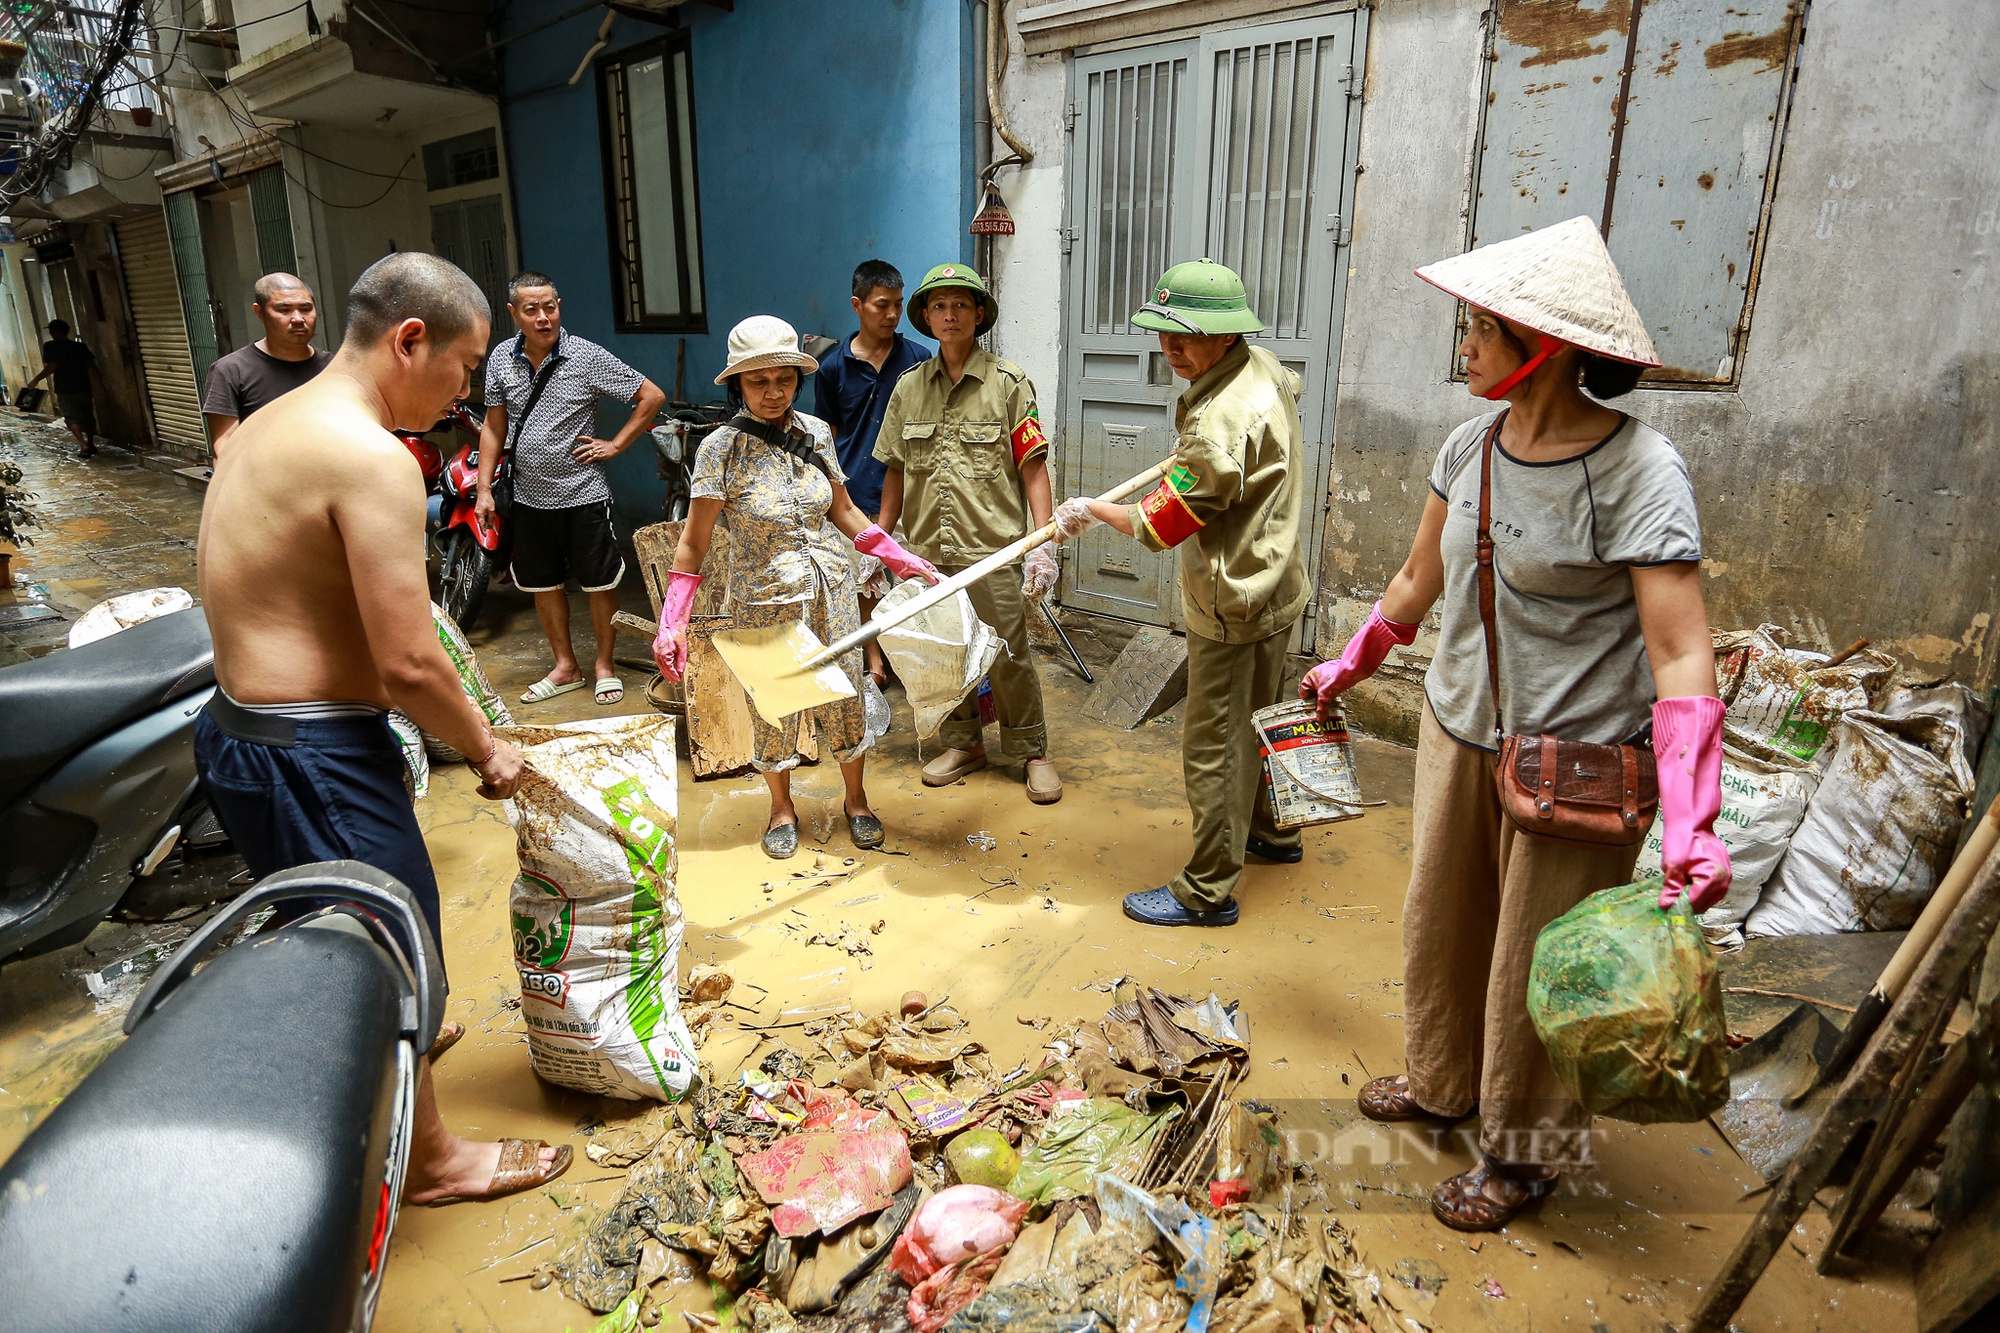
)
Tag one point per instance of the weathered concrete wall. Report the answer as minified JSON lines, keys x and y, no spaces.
{"x":1846,"y":485}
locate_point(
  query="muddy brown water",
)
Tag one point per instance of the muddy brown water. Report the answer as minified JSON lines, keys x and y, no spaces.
{"x":1017,"y":932}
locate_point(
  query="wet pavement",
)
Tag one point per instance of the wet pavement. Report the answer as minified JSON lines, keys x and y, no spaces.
{"x":1009,"y":908}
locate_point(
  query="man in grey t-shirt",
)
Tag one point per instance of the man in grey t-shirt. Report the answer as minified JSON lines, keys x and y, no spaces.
{"x":256,"y":375}
{"x":542,"y":388}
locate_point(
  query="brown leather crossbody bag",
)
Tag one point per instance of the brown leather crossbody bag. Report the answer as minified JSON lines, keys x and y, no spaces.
{"x":1571,"y":791}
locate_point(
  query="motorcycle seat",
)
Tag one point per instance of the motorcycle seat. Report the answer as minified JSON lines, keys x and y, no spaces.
{"x":55,"y":705}
{"x":222,"y":1169}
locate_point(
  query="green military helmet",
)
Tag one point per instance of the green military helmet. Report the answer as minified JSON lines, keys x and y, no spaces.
{"x":951,"y":275}
{"x":1199,"y":297}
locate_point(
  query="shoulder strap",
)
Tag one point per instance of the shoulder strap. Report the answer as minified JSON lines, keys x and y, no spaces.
{"x":1484,"y":550}
{"x":540,"y":382}
{"x":780,"y":438}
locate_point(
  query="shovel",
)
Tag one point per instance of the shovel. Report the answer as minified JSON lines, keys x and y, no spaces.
{"x":786,"y":669}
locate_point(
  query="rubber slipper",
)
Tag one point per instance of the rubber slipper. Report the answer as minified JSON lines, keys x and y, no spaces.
{"x":609,"y":691}
{"x":546,"y":688}
{"x":1284,"y":856}
{"x":781,"y":841}
{"x":1388,"y":1099}
{"x":520,"y":1169}
{"x":952,"y":765}
{"x":447,"y":1037}
{"x":1159,"y":907}
{"x":1463,"y":1204}
{"x":864,"y":831}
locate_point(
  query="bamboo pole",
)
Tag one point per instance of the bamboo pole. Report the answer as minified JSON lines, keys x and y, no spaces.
{"x":965,"y":578}
{"x":1934,"y":983}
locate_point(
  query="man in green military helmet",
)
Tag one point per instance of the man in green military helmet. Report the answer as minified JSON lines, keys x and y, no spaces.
{"x":968,"y":474}
{"x":1231,"y":505}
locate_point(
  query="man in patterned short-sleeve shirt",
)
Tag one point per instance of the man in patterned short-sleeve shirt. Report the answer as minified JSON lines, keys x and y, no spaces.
{"x":562,"y":502}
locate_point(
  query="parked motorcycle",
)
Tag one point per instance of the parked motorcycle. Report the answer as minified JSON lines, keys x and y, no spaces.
{"x":469,"y":551}
{"x":237,"y":1163}
{"x":674,"y":442}
{"x":100,"y":810}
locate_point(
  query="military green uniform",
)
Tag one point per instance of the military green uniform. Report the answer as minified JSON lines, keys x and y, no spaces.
{"x":1231,"y":506}
{"x":961,"y":448}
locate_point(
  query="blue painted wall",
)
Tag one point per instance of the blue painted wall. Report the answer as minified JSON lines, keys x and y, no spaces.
{"x":826,"y":133}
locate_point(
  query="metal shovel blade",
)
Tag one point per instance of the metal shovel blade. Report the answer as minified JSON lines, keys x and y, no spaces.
{"x":1773,"y":1098}
{"x":767,"y":662}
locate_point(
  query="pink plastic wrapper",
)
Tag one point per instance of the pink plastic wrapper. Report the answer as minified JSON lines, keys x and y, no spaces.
{"x":944,"y":1293}
{"x":821,"y":1180}
{"x":954,"y":1224}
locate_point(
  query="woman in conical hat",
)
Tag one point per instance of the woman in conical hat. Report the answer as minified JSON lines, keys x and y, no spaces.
{"x":1601,"y":637}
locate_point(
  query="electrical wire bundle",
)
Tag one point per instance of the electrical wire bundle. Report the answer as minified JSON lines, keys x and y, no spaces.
{"x":71,"y":89}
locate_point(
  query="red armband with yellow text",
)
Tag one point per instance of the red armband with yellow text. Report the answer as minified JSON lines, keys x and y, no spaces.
{"x":1027,"y":438}
{"x":1165,"y":511}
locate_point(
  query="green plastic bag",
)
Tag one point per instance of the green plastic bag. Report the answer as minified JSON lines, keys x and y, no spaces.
{"x":1098,"y":1135}
{"x":1628,"y":1000}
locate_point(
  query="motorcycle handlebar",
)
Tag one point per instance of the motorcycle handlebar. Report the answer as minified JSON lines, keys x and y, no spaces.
{"x":377,"y":893}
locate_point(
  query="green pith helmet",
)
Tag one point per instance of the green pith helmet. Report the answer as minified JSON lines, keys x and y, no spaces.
{"x":951,"y":275}
{"x":1199,"y":297}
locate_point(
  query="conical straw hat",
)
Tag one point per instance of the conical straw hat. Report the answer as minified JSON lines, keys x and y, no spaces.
{"x":1559,"y":281}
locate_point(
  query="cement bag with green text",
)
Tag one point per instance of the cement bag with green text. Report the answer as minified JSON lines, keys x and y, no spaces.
{"x":1628,"y":1000}
{"x":471,"y":679}
{"x":1764,"y":795}
{"x":597,"y":925}
{"x":1882,"y":826}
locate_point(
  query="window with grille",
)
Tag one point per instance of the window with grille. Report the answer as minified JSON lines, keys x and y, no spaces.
{"x":1659,"y":121}
{"x":646,"y":104}
{"x":463,"y":160}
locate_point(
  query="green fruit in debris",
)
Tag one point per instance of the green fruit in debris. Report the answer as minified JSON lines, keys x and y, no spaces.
{"x":983,"y":1157}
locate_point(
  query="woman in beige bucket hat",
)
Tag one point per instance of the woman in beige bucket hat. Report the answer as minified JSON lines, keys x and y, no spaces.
{"x":1601,"y":635}
{"x":772,"y":478}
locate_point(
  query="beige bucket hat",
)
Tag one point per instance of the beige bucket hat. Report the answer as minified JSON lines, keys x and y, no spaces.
{"x":1559,"y":281}
{"x":762,"y":341}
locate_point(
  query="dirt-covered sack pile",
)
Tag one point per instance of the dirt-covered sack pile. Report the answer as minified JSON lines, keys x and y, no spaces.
{"x":596,"y":922}
{"x":1628,"y":1000}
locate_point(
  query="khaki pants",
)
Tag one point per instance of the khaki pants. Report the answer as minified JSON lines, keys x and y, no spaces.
{"x":1480,"y":893}
{"x":1017,"y":690}
{"x":1219,"y":761}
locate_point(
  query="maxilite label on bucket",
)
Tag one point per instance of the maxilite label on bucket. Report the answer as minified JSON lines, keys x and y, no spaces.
{"x":1308,"y":765}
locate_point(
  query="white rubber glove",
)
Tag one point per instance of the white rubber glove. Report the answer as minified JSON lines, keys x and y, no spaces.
{"x":1038,"y":573}
{"x":1073,"y":518}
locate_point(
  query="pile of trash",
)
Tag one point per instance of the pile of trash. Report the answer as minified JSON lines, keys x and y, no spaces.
{"x":1843,"y":788}
{"x":878,"y":1173}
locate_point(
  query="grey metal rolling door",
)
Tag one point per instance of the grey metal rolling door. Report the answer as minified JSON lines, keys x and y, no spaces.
{"x":1129,"y":219}
{"x":1281,"y":108}
{"x":154,"y":296}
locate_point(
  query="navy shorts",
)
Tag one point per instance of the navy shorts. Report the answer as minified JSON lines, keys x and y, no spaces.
{"x":335,"y":794}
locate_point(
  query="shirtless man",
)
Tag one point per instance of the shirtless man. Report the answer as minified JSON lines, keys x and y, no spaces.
{"x":312,"y":574}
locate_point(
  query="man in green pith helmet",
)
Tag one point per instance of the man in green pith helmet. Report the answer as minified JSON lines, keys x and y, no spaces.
{"x":968,"y":474}
{"x":1231,"y":504}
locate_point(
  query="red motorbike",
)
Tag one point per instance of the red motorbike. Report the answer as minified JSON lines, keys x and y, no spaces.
{"x":469,"y":551}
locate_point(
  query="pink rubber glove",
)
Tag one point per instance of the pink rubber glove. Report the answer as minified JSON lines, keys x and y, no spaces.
{"x":1687,"y":742}
{"x":1363,"y":657}
{"x":670,"y":648}
{"x":871,"y":540}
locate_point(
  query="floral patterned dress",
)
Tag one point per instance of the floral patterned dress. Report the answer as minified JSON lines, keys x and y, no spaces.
{"x":787,"y":562}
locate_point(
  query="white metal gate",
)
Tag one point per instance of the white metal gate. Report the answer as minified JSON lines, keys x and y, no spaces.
{"x":1239,"y":146}
{"x":154,"y":298}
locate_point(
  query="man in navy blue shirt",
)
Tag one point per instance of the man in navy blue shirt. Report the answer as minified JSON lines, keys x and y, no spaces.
{"x":852,"y":388}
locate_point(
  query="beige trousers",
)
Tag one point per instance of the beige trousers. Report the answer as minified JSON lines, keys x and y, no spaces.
{"x":1480,"y":892}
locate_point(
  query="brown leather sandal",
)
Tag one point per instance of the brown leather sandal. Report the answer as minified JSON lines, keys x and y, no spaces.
{"x":1465,"y":1202}
{"x":520,"y":1169}
{"x":1388,"y":1099}
{"x":447,"y":1037}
